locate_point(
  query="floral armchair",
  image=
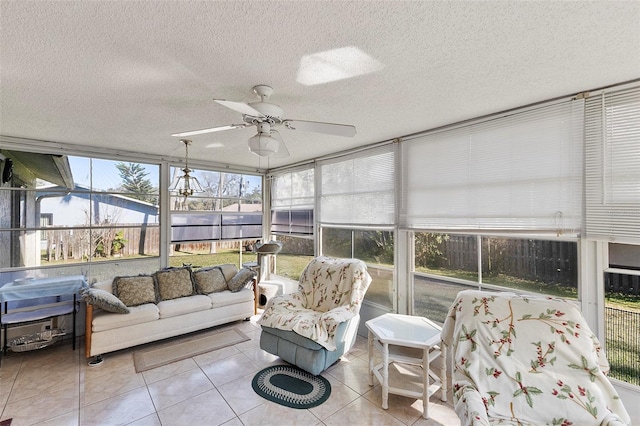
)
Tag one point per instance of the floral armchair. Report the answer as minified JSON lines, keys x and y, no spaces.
{"x":527,"y":360}
{"x":313,"y":327}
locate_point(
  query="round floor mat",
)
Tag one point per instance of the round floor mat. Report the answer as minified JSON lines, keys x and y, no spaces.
{"x":290,"y":386}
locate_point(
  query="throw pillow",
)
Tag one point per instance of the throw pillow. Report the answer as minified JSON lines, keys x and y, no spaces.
{"x":104,"y":300}
{"x":241,"y":279}
{"x":229,"y":270}
{"x":209,"y":280}
{"x":174,"y":283}
{"x":134,"y":291}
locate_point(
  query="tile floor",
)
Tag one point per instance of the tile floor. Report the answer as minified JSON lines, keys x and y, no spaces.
{"x":55,"y":386}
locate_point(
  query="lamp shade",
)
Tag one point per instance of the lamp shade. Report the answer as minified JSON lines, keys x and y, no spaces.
{"x":263,"y":144}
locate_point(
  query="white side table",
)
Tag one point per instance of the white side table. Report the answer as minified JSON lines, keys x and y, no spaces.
{"x":408,"y":345}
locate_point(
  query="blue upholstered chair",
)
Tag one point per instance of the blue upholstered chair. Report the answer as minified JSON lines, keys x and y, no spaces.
{"x":313,"y":327}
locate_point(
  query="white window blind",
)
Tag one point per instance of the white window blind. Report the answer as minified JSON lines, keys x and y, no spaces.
{"x":294,"y":189}
{"x":612,"y":175}
{"x":359,"y":189}
{"x":518,"y":172}
{"x":292,"y":202}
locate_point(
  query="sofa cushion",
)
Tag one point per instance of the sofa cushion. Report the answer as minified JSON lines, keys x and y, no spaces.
{"x":228,"y":270}
{"x":137,"y":315}
{"x":226,"y":297}
{"x":183,"y":305}
{"x":134,"y":291}
{"x":241,"y":279}
{"x":174,"y":283}
{"x":104,"y":300}
{"x":209,"y":280}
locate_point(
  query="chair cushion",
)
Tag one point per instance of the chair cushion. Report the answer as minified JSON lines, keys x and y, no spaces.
{"x":294,"y":338}
{"x":330,"y":292}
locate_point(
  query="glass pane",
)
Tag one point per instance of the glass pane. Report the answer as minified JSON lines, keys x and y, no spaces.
{"x":296,"y":253}
{"x":381,"y":290}
{"x":454,"y":256}
{"x":433,"y":297}
{"x":622,"y":322}
{"x":292,"y":222}
{"x":624,"y":256}
{"x":336,"y":242}
{"x":200,"y":255}
{"x":540,"y":266}
{"x":374,"y":247}
{"x":125,"y":243}
{"x":110,"y":209}
{"x":241,"y":226}
{"x":222,"y":191}
{"x":140,"y":181}
{"x":195,"y":227}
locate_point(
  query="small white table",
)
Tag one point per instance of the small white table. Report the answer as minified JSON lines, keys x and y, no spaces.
{"x":408,"y":345}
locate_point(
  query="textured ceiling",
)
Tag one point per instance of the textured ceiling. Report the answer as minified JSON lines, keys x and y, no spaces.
{"x":126,"y":74}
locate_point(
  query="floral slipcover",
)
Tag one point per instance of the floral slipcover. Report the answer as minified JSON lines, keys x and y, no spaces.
{"x":527,"y":360}
{"x":330,"y":291}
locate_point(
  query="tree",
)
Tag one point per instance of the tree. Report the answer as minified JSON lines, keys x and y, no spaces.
{"x":135,"y":181}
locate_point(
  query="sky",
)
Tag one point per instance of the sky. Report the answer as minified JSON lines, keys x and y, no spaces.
{"x":106,"y":175}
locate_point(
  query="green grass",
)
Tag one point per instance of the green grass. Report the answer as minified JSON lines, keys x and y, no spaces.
{"x":288,"y":265}
{"x":502,"y":280}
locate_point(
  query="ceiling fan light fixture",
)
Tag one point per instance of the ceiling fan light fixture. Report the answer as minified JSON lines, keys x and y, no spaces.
{"x":263,"y":144}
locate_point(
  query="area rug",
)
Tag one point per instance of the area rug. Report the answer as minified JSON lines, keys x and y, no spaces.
{"x":185,"y":347}
{"x":290,"y":386}
{"x":6,"y":422}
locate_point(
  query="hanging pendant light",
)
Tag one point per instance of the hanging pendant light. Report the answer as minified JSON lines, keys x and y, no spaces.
{"x":186,"y":184}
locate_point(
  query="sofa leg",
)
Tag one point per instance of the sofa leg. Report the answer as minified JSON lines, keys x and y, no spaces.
{"x":97,"y":360}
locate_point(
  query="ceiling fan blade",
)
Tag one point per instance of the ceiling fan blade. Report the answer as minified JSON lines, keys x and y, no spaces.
{"x":210,"y":130}
{"x":319,"y":127}
{"x":282,"y":152}
{"x":240,"y":107}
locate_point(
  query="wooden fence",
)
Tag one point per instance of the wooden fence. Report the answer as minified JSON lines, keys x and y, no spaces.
{"x":64,"y":244}
{"x":535,"y":260}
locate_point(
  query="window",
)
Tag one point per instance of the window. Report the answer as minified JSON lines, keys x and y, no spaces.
{"x":612,"y":179}
{"x":622,"y":312}
{"x":357,"y":211}
{"x":448,"y":263}
{"x":220,"y":225}
{"x":292,"y":219}
{"x":103,"y":209}
{"x":375,"y":248}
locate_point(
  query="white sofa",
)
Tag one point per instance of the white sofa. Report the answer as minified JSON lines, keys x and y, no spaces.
{"x":148,"y":322}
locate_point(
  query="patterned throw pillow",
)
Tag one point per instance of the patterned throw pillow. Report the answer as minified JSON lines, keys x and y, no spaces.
{"x":209,"y":280}
{"x":174,"y":283}
{"x":104,"y":300}
{"x":241,"y":279}
{"x":134,"y":291}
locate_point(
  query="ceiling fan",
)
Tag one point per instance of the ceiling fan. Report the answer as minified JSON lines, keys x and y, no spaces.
{"x":267,"y":116}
